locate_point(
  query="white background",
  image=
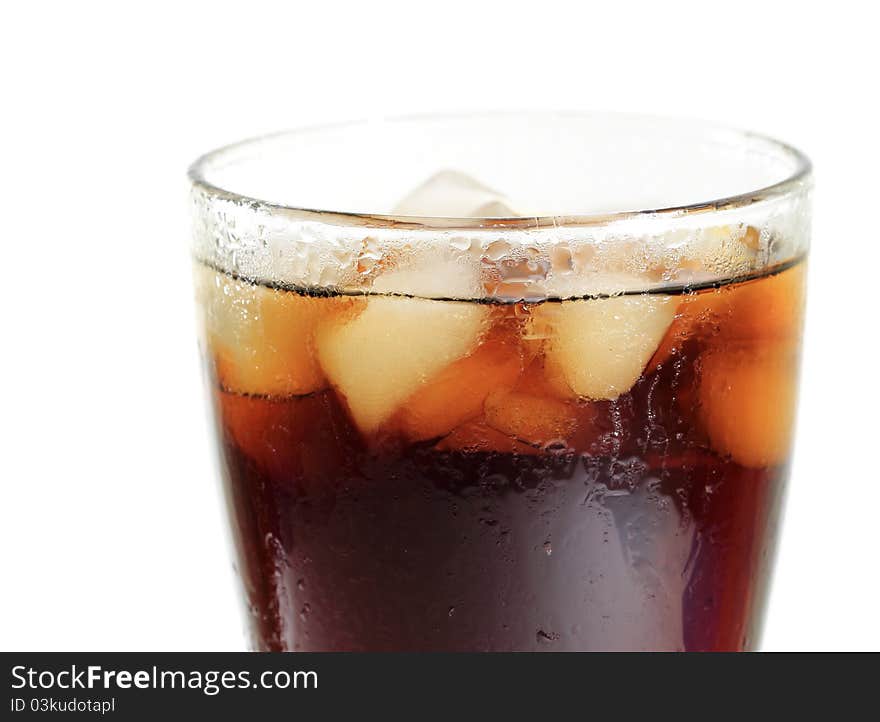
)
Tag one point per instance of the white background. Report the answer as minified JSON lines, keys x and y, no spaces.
{"x":111,"y":532}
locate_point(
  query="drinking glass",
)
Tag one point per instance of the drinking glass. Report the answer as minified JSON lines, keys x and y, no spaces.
{"x":503,"y":382}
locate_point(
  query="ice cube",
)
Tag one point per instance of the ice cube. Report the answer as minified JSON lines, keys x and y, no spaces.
{"x":748,"y":381}
{"x":597,"y":348}
{"x":425,"y":273}
{"x":601,"y":346}
{"x":721,"y":250}
{"x":453,"y":194}
{"x":747,"y":402}
{"x":260,"y":338}
{"x":396,"y":345}
{"x":537,"y":412}
{"x":766,"y":310}
{"x":458,"y":392}
{"x":532,"y":419}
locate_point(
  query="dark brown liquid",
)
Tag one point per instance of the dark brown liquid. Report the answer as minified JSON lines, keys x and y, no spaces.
{"x":427,"y":550}
{"x":635,"y":535}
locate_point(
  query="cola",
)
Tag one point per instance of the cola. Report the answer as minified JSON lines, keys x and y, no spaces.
{"x":414,"y":473}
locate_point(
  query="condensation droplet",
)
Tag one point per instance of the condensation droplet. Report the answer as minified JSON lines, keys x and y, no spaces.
{"x":497,"y":250}
{"x":543,"y":637}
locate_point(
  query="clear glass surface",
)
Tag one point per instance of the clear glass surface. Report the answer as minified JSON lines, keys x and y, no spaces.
{"x":503,"y":382}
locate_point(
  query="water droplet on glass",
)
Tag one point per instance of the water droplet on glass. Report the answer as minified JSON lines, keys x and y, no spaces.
{"x":497,"y":250}
{"x":543,"y":637}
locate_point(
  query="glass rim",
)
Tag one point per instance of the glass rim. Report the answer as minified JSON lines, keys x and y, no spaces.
{"x":799,"y":175}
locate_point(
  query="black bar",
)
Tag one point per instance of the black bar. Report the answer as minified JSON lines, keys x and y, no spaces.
{"x":416,"y":686}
